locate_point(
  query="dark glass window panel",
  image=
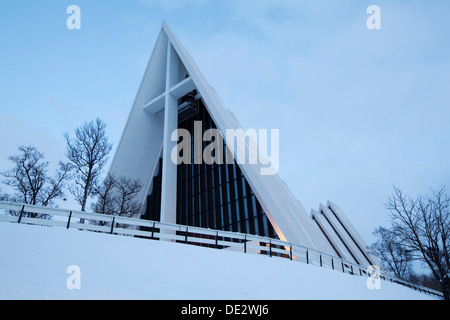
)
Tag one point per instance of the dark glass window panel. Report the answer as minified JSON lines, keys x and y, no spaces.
{"x":213,"y":196}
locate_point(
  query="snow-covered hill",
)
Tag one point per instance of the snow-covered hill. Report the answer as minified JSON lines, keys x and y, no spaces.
{"x":34,"y":263}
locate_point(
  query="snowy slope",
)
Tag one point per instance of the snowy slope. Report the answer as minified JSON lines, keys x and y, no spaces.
{"x":34,"y":261}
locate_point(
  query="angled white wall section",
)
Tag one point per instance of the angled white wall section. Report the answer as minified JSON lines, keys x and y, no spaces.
{"x":330,"y":235}
{"x":341,"y":234}
{"x":140,"y":145}
{"x":356,"y":238}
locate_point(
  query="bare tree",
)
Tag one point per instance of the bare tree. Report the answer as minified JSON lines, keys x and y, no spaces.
{"x":105,"y":196}
{"x":394,"y":256}
{"x":87,"y":151}
{"x":425,"y":280}
{"x":116,"y":196}
{"x":127,"y":189}
{"x":423,"y":227}
{"x":4,"y":196}
{"x":30,"y":180}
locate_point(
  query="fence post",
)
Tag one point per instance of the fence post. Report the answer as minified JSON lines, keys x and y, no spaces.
{"x":21,"y":213}
{"x":217,"y":238}
{"x":307,"y":257}
{"x":245,"y":244}
{"x":332,"y":263}
{"x":68,"y":220}
{"x":290,"y":252}
{"x":320,"y":259}
{"x":153,"y":229}
{"x":112,"y":224}
{"x":186,"y":235}
{"x":270,"y":248}
{"x":343,"y":270}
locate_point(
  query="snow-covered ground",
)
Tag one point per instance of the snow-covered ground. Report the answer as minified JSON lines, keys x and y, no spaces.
{"x":34,"y":262}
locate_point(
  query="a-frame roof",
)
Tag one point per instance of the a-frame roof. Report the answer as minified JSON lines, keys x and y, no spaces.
{"x":141,"y":143}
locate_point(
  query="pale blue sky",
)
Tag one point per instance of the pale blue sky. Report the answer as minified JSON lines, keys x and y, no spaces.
{"x":358,"y":110}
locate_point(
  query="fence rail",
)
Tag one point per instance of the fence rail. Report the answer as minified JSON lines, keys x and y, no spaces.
{"x":247,"y":243}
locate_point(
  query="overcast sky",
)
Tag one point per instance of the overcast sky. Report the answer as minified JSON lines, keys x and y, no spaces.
{"x":358,"y":110}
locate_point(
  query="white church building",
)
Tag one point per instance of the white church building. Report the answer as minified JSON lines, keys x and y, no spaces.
{"x":228,"y":195}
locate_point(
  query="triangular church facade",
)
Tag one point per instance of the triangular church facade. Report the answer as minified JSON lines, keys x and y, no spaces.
{"x":231,"y":195}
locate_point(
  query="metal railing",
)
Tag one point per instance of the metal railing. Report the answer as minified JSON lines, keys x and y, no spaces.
{"x":247,"y":243}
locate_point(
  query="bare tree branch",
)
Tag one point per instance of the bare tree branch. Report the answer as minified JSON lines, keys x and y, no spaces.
{"x":30,"y":179}
{"x":87,"y":151}
{"x":395,"y":258}
{"x":422,"y":226}
{"x":116,"y":196}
